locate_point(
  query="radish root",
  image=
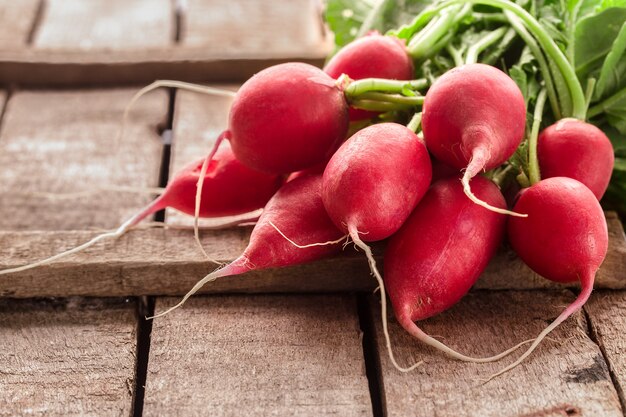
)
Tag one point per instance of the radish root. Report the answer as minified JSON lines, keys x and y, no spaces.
{"x":354,"y":234}
{"x":476,"y":165}
{"x":587,"y":288}
{"x":310,"y":245}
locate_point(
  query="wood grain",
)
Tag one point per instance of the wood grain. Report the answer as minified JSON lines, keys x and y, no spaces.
{"x":257,"y":355}
{"x":607,"y":314}
{"x":167,"y":262}
{"x":16,"y":21}
{"x":64,"y":142}
{"x":568,"y":377}
{"x":246,"y":26}
{"x":67,"y":357}
{"x":111,"y":25}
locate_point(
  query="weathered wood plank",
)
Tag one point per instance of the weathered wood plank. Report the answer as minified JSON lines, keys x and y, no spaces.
{"x":263,"y":355}
{"x":64,"y":142}
{"x":16,"y":21}
{"x":67,"y":357}
{"x":168,"y":262}
{"x":565,"y":378}
{"x":247,"y":26}
{"x":105,"y":24}
{"x":607,"y":314}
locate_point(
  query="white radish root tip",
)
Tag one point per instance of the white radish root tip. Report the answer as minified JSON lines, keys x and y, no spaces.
{"x":476,"y":200}
{"x":310,"y":245}
{"x":354,"y":234}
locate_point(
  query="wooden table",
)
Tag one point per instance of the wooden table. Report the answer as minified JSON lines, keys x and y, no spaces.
{"x":300,"y":341}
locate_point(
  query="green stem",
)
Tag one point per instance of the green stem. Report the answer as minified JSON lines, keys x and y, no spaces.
{"x":608,"y":103}
{"x":533,"y":163}
{"x":390,"y":98}
{"x":541,"y":60}
{"x":428,"y":41}
{"x":369,"y":22}
{"x":591,"y":84}
{"x":415,"y":122}
{"x":485,"y":42}
{"x":522,"y":179}
{"x":500,"y":175}
{"x":547,"y":43}
{"x":455,"y":54}
{"x":382,"y":106}
{"x":367,"y":85}
{"x":504,"y":45}
{"x":490,"y":17}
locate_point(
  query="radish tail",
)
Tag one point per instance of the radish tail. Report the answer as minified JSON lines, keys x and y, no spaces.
{"x":476,"y":165}
{"x":354,"y":234}
{"x":310,"y":245}
{"x":203,"y":170}
{"x":153,"y":207}
{"x":234,"y":268}
{"x":408,"y":325}
{"x":251,"y":220}
{"x":196,"y":88}
{"x":587,"y":288}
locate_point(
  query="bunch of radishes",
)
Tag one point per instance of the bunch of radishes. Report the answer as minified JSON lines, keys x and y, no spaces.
{"x":287,"y":150}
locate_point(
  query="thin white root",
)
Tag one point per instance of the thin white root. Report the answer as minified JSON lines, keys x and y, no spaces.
{"x":354,"y":234}
{"x":95,"y":190}
{"x":208,"y":278}
{"x":468,"y":192}
{"x":199,"y":185}
{"x":115,"y":234}
{"x":226,"y":225}
{"x":310,"y":245}
{"x":202,"y":89}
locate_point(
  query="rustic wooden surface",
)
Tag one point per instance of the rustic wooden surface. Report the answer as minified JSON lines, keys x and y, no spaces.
{"x":69,"y":147}
{"x":171,"y":253}
{"x":110,"y":25}
{"x":607,"y":312}
{"x":67,"y":357}
{"x":568,"y":377}
{"x":146,"y":40}
{"x":241,"y":26}
{"x":16,"y":22}
{"x":263,"y":355}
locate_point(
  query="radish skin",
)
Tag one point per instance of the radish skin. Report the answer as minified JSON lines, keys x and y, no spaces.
{"x":370,"y":197}
{"x":372,"y":56}
{"x":287,"y":118}
{"x":296,"y":210}
{"x":575,"y":149}
{"x":474,"y":118}
{"x":564,"y":239}
{"x":440,"y":252}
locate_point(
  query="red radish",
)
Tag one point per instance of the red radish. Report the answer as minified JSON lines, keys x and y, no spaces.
{"x":575,"y":149}
{"x":474,"y":117}
{"x":564,"y":239}
{"x":287,"y":118}
{"x":229,"y":188}
{"x":373,"y":183}
{"x":439,"y":254}
{"x":372,"y":56}
{"x":297,"y":210}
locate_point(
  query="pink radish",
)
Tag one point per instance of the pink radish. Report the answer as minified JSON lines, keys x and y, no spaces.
{"x":564,"y":239}
{"x":229,"y":188}
{"x":287,"y":118}
{"x":372,"y":184}
{"x":372,"y":56}
{"x":575,"y":149}
{"x":474,"y":117}
{"x":439,"y":254}
{"x":297,"y":211}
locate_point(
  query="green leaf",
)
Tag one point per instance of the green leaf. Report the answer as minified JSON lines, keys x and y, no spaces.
{"x":594,"y":39}
{"x":613,"y":72}
{"x":346,"y":18}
